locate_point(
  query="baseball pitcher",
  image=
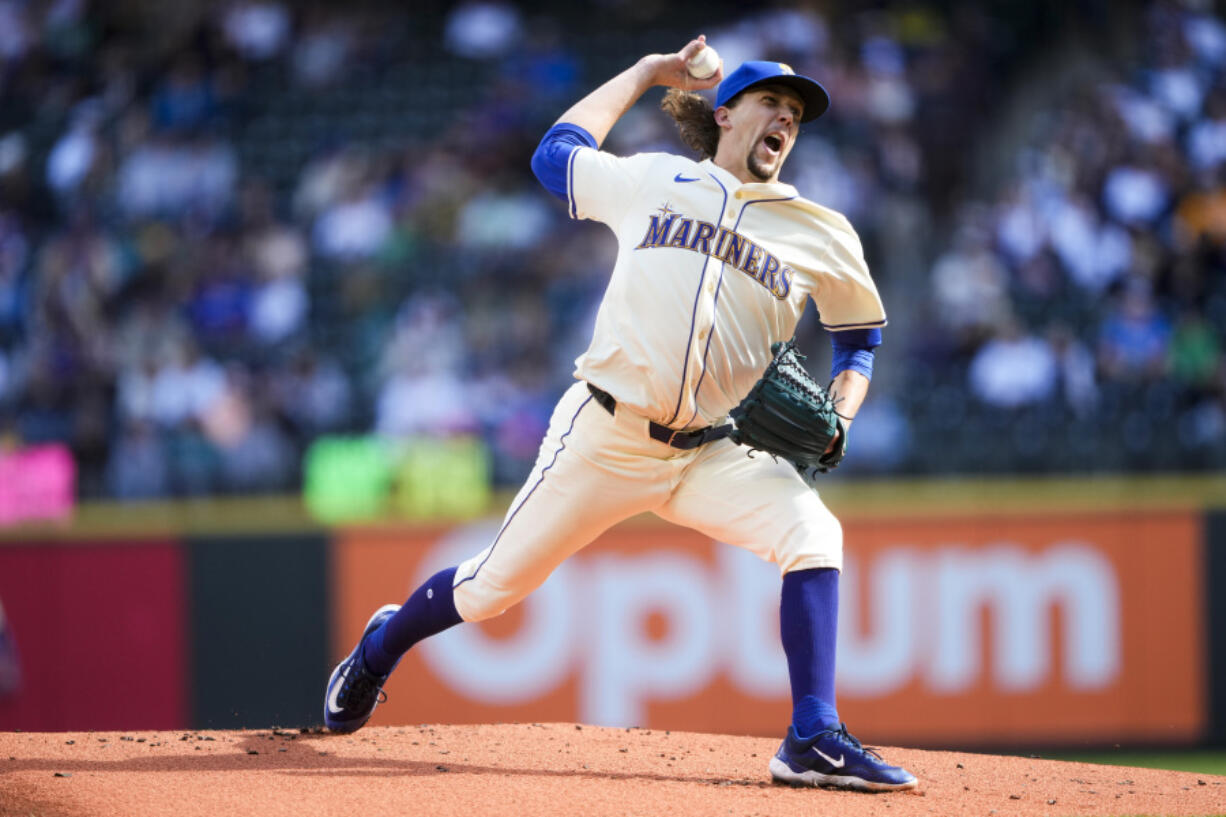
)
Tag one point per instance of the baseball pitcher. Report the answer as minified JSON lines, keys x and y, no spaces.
{"x":689,"y":370}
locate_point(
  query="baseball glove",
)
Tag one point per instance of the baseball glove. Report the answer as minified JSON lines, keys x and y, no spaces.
{"x":788,"y":414}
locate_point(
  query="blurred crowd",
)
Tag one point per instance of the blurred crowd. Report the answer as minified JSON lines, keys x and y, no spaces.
{"x":1089,"y":283}
{"x":227,"y":229}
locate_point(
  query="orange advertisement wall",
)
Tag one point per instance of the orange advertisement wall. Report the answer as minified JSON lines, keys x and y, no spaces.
{"x":969,"y":630}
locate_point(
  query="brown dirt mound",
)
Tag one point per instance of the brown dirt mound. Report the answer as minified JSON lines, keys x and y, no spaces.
{"x":533,"y":769}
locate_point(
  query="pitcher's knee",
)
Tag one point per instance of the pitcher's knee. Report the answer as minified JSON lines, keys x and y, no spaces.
{"x":816,"y":541}
{"x":476,"y":600}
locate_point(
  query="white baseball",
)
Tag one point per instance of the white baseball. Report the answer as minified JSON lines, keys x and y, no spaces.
{"x":704,"y":64}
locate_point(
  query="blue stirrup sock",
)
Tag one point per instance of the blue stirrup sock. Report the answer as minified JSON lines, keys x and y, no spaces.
{"x":808,"y":625}
{"x":430,"y":610}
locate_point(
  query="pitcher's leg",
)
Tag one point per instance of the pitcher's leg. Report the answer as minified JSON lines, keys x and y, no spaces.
{"x":429,"y":610}
{"x":757,"y":503}
{"x":808,"y":628}
{"x":588,"y":476}
{"x":764,"y":506}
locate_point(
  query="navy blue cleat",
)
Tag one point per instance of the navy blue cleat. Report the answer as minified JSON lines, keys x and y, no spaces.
{"x":836,"y":759}
{"x":353,"y":691}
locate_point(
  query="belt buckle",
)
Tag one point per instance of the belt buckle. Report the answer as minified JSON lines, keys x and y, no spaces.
{"x":672,"y":437}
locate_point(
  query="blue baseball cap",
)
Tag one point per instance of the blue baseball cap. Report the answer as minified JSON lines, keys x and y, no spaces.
{"x":764,"y":72}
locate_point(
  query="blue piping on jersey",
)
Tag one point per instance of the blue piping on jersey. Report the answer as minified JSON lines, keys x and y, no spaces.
{"x":571,"y":204}
{"x":689,"y":341}
{"x":723,"y":267}
{"x":528,"y":496}
{"x":841,"y":327}
{"x":551,"y":160}
{"x":719,"y":286}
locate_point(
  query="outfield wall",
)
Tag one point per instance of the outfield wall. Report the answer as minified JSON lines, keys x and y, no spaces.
{"x":1040,"y":625}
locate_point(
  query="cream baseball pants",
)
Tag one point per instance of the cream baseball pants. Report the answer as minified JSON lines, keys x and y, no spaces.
{"x":595,"y":470}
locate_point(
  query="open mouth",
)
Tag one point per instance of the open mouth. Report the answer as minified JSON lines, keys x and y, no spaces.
{"x":773,"y":142}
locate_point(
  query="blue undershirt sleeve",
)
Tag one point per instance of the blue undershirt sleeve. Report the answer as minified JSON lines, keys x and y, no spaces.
{"x":853,"y":349}
{"x":552,"y":156}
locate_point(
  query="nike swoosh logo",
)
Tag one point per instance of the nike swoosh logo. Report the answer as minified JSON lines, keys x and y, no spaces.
{"x":333,"y":706}
{"x":838,"y":764}
{"x":680,"y":178}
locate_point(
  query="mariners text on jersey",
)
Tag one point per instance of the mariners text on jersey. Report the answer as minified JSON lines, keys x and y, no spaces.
{"x":672,"y":229}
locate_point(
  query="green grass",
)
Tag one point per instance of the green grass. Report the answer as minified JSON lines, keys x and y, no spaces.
{"x":1203,"y":762}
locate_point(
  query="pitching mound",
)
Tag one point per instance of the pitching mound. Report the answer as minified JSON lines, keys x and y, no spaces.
{"x":532,"y":769}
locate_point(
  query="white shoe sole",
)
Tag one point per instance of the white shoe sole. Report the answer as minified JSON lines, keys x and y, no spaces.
{"x":782,"y":773}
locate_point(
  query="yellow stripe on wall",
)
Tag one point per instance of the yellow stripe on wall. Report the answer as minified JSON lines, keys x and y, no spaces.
{"x":847,"y":497}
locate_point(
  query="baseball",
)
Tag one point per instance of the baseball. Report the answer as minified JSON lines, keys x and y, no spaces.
{"x":704,"y":64}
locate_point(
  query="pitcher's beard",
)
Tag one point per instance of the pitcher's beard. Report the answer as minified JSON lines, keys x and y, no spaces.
{"x":756,"y":168}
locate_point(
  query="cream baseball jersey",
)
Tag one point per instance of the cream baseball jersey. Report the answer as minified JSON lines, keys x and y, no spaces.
{"x":710,"y":272}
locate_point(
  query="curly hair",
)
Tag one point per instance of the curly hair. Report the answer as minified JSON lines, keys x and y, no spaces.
{"x":695,"y":120}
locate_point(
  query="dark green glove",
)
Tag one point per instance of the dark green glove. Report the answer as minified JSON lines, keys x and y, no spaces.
{"x":788,"y":414}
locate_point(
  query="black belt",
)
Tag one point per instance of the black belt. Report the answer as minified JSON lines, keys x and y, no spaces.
{"x":685,"y":440}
